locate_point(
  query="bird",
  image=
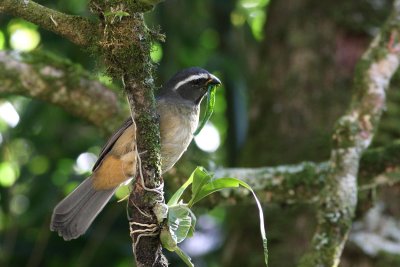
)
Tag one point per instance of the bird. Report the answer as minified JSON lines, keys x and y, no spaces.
{"x":178,"y":107}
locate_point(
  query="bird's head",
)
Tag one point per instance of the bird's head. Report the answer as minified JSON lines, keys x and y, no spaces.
{"x":189,"y":84}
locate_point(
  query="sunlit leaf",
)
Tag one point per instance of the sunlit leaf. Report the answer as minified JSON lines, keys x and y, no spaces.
{"x":222,"y":183}
{"x":177,"y":195}
{"x":179,"y":222}
{"x":200,"y":178}
{"x":210,"y":107}
{"x":215,"y":186}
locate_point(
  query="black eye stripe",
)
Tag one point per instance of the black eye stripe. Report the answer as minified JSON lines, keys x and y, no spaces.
{"x":199,"y":81}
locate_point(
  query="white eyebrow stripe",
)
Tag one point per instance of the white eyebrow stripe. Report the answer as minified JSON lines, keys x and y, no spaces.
{"x":191,"y":78}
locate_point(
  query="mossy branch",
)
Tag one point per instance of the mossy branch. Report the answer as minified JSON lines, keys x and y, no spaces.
{"x":124,"y":42}
{"x":125,"y":45}
{"x":304,"y":182}
{"x":57,"y":81}
{"x":77,"y":29}
{"x":352,"y":135}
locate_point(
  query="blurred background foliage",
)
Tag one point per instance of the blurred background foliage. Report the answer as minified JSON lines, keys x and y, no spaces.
{"x":286,"y":67}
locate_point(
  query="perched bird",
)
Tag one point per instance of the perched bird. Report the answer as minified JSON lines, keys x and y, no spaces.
{"x":178,"y":105}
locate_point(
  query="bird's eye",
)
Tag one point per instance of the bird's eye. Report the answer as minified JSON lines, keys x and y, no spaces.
{"x":197,"y":82}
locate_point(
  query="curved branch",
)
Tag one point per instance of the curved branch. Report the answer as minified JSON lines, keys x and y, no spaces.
{"x":352,"y":135}
{"x":77,"y":29}
{"x":304,"y":182}
{"x":58,"y":81}
{"x":55,"y":81}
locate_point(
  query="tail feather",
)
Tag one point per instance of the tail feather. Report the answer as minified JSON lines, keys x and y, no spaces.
{"x":75,"y":213}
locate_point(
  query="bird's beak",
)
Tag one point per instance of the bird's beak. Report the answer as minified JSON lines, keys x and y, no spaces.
{"x":213,"y":81}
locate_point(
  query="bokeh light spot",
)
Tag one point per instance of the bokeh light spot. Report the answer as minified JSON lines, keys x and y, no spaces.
{"x":24,"y":39}
{"x":9,"y":114}
{"x":8,"y":175}
{"x":2,"y":41}
{"x":237,"y":19}
{"x":254,"y":11}
{"x":38,"y":165}
{"x":208,"y":139}
{"x":257,"y":20}
{"x":84,"y":162}
{"x":249,"y":4}
{"x":19,"y":204}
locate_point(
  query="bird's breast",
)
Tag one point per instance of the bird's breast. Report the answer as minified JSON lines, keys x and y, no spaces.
{"x":177,"y":124}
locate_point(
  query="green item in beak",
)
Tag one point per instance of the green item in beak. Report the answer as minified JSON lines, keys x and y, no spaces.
{"x":210,"y":107}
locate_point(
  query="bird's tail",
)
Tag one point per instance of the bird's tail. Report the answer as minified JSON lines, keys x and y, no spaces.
{"x":74,"y":214}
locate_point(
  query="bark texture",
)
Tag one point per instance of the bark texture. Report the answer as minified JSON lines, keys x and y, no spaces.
{"x":123,"y":41}
{"x":121,"y":38}
{"x":60,"y":82}
{"x":125,"y":46}
{"x":352,"y":136}
{"x":77,"y":29}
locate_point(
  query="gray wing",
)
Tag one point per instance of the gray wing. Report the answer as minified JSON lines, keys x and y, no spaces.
{"x":108,"y":146}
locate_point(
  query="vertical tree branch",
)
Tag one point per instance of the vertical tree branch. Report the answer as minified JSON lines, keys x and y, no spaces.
{"x":125,"y":44}
{"x":352,"y":135}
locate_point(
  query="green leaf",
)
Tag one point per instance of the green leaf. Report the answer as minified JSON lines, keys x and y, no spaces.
{"x":262,"y":224}
{"x":193,"y":224}
{"x":210,"y":108}
{"x":175,"y":198}
{"x":200,"y":177}
{"x":166,"y":239}
{"x":179,"y":222}
{"x":223,"y":183}
{"x":214,"y":186}
{"x":184,"y":257}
